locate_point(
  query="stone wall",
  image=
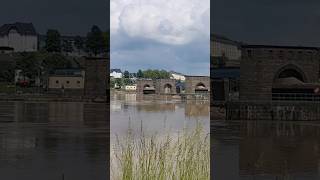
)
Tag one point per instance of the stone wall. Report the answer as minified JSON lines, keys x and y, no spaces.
{"x":192,"y":81}
{"x":143,"y":82}
{"x":280,"y":111}
{"x":260,"y":65}
{"x":161,"y":83}
{"x":96,"y":77}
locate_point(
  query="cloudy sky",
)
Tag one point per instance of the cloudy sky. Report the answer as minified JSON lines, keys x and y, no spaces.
{"x":160,"y":34}
{"x":69,"y":16}
{"x":280,"y":22}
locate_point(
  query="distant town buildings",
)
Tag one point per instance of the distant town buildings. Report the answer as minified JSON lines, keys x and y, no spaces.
{"x":22,"y":37}
{"x":61,"y":80}
{"x":116,"y":73}
{"x":131,"y":87}
{"x":68,"y":43}
{"x":225,"y":52}
{"x":177,"y":76}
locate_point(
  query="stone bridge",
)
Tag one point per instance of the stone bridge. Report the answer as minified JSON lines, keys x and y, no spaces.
{"x":158,"y":86}
{"x":266,"y":70}
{"x":197,"y":84}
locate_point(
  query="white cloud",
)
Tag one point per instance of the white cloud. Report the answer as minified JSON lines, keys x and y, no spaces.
{"x":167,"y":21}
{"x":161,"y":34}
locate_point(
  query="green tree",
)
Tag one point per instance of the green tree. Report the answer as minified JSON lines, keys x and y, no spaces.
{"x":78,"y":43}
{"x":126,"y":74}
{"x":118,"y":81}
{"x":53,"y":42}
{"x":156,"y":74}
{"x":7,"y":72}
{"x":29,"y":64}
{"x":106,"y":41}
{"x":95,"y":42}
{"x":55,"y":61}
{"x":139,"y":74}
{"x":67,"y":46}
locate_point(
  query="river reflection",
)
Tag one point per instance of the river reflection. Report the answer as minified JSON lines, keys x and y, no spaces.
{"x":51,"y":140}
{"x":161,"y":116}
{"x":265,"y":150}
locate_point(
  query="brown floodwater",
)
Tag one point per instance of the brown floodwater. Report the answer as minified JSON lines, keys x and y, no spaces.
{"x":155,"y":116}
{"x":265,"y":150}
{"x":52,"y":141}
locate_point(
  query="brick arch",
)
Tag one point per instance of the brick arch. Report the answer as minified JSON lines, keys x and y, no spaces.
{"x":295,"y":69}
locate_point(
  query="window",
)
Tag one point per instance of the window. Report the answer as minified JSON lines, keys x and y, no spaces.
{"x":78,"y":82}
{"x":57,"y":82}
{"x":68,"y":82}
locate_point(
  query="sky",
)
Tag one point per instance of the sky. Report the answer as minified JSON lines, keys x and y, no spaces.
{"x":275,"y":22}
{"x":70,"y":17}
{"x":160,"y":34}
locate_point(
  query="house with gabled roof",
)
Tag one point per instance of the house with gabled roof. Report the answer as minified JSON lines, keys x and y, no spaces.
{"x":22,"y":37}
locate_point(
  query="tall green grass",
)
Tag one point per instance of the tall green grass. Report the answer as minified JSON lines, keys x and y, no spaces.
{"x":185,"y":156}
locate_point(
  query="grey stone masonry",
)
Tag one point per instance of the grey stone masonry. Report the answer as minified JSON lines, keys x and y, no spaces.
{"x":261,"y":65}
{"x":193,"y":81}
{"x":96,"y":77}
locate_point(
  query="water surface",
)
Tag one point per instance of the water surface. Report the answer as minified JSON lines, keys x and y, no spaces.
{"x":49,"y":140}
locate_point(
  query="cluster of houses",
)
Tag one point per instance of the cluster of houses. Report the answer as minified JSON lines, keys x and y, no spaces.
{"x":118,"y":74}
{"x":23,"y":37}
{"x":224,"y":68}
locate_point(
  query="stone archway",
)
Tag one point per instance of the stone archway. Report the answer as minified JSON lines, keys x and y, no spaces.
{"x":289,"y":83}
{"x":201,"y":87}
{"x":148,"y":89}
{"x":290,"y":71}
{"x":167,"y":88}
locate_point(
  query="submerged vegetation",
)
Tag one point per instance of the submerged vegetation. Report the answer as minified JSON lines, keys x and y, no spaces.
{"x":185,"y":156}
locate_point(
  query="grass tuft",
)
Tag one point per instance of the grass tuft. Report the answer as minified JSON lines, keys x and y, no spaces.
{"x":183,"y":157}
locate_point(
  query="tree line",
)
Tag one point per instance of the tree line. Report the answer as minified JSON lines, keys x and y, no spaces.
{"x":96,"y":42}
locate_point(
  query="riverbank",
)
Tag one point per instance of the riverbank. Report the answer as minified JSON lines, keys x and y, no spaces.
{"x":51,"y":98}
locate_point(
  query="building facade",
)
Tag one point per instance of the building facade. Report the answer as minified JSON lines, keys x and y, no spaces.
{"x":116,"y":73}
{"x":225,"y":52}
{"x":22,"y":37}
{"x":177,"y":76}
{"x":67,"y":81}
{"x":269,"y":70}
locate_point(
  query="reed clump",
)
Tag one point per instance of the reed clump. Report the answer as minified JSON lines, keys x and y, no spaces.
{"x":185,"y":156}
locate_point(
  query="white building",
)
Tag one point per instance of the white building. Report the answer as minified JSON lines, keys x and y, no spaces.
{"x":177,"y":76}
{"x":115,"y":73}
{"x":22,"y":37}
{"x":130,"y":87}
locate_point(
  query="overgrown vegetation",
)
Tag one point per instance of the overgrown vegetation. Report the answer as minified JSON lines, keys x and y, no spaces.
{"x":184,"y":157}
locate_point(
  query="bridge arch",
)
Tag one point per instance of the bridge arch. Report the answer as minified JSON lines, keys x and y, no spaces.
{"x":148,"y":89}
{"x":201,"y":87}
{"x":290,"y":71}
{"x":168,"y":88}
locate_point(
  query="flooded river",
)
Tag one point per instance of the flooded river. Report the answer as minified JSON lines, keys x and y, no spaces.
{"x":150,"y":116}
{"x":53,"y":141}
{"x":265,"y":150}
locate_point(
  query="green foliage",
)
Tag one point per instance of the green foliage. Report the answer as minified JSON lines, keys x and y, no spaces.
{"x":7,"y":72}
{"x":106,"y":41}
{"x":29,"y":63}
{"x":95,"y":41}
{"x":118,"y":82}
{"x":139,"y":74}
{"x":78,"y":42}
{"x":67,"y":46}
{"x":156,"y":74}
{"x":55,"y":61}
{"x":126,"y":74}
{"x":53,"y":42}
